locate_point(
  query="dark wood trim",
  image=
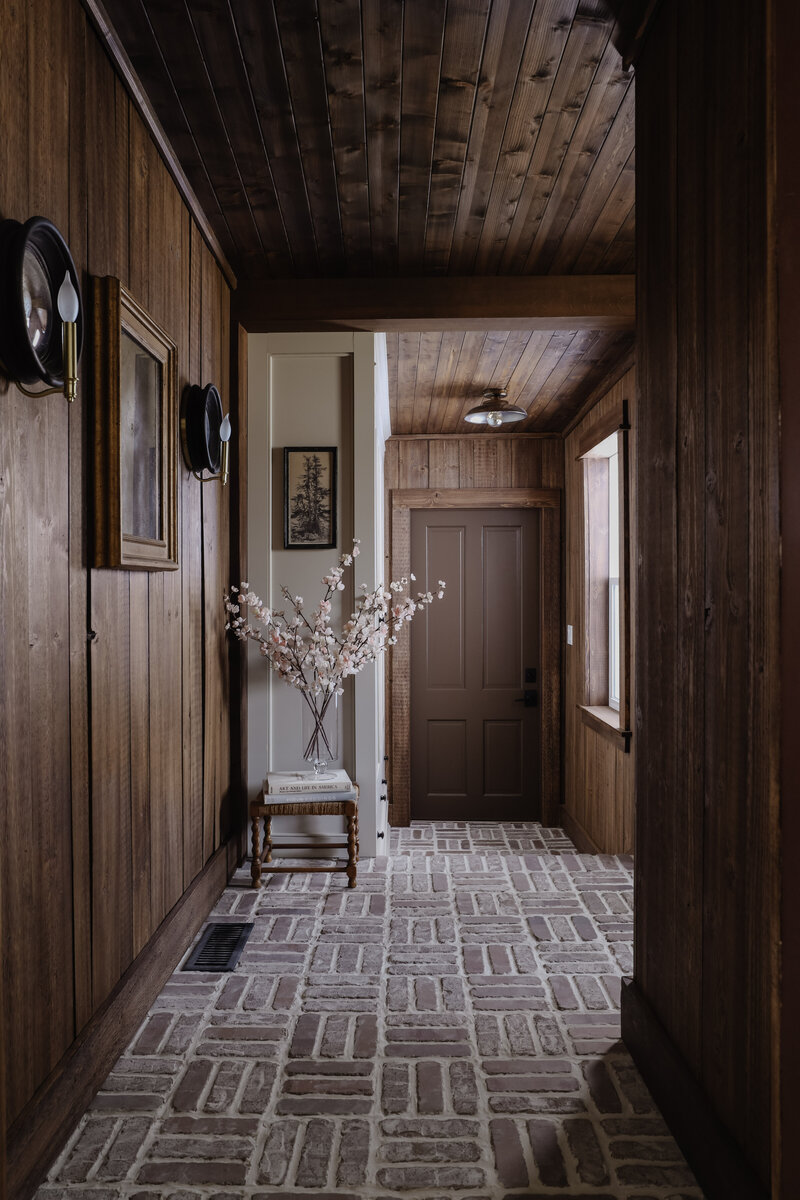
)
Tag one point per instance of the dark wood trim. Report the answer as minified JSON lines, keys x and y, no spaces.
{"x":617,"y":734}
{"x":401,"y":502}
{"x":124,"y":68}
{"x":634,"y":21}
{"x":716,"y":1159}
{"x":542,"y":302}
{"x":237,"y":651}
{"x":47,"y":1120}
{"x":476,"y":498}
{"x":625,"y":364}
{"x":598,"y":432}
{"x":483,"y":435}
{"x":577,"y":834}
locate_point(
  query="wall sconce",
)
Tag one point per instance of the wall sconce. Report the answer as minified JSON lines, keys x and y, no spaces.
{"x":495,"y":410}
{"x":41,"y":315}
{"x":205,"y":433}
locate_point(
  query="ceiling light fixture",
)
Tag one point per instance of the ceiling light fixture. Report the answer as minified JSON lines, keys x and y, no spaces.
{"x":495,"y":410}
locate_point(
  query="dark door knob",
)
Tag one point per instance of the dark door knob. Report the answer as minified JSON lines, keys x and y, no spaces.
{"x":529,"y":698}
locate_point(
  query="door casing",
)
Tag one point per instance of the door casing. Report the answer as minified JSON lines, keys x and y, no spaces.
{"x":402,"y":501}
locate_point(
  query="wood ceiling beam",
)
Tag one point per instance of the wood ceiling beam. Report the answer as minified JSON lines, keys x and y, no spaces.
{"x":541,"y":302}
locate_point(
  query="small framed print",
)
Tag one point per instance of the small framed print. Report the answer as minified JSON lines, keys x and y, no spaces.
{"x":309,"y":497}
{"x":136,"y":466}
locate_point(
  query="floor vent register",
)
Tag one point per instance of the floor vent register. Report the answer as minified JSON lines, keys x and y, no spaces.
{"x":220,"y":946}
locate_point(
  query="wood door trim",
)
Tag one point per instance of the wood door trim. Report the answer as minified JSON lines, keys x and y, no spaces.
{"x":476,"y":498}
{"x":401,"y":502}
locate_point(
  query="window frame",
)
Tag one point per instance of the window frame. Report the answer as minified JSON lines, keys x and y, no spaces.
{"x":599,"y":702}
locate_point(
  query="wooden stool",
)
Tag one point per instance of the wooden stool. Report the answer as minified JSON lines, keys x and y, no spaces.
{"x":303,"y":805}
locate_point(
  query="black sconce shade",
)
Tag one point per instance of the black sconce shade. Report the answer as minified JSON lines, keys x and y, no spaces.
{"x":201,"y":418}
{"x":34,"y":258}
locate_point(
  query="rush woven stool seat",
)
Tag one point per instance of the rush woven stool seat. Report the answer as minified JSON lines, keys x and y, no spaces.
{"x":324,"y":804}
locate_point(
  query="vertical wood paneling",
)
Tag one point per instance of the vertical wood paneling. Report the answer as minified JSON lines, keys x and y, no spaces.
{"x":598,"y":792}
{"x":707,"y":619}
{"x":100,"y":703}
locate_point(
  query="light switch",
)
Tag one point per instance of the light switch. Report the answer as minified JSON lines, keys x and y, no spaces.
{"x":569,"y":635}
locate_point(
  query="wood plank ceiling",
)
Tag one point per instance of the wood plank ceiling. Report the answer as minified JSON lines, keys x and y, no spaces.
{"x":403,"y":137}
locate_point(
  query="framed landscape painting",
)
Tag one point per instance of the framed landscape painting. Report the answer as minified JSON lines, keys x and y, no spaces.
{"x":309,"y":497}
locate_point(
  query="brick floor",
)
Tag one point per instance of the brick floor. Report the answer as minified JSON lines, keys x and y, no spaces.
{"x":448,"y":1029}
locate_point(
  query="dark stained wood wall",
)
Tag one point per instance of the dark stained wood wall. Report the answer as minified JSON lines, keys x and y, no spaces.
{"x":114,"y":768}
{"x":706,"y":786}
{"x":598,"y":773}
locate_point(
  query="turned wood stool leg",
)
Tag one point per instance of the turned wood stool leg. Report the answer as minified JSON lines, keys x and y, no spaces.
{"x":268,"y":837}
{"x":255,"y":865}
{"x":352,"y":852}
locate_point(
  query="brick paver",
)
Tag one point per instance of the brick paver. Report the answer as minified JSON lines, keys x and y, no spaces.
{"x":450,"y":1028}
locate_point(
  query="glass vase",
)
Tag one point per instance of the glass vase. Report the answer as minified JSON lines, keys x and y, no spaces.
{"x":320,"y":732}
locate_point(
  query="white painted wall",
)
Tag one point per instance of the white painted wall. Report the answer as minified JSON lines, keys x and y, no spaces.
{"x":317,"y":389}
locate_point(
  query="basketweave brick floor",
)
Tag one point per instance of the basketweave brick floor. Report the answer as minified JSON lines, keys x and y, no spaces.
{"x":448,"y":1029}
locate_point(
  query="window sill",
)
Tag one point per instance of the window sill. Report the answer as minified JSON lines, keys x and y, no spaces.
{"x":605,"y":721}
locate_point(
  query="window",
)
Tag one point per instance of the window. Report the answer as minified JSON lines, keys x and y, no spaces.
{"x":603,"y":490}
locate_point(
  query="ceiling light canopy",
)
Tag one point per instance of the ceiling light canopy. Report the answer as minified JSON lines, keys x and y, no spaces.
{"x":495,"y":410}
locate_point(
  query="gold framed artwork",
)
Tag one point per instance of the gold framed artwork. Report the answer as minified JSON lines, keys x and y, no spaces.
{"x":135,"y":488}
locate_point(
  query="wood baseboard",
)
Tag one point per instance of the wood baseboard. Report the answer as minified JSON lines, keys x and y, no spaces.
{"x":40,"y":1130}
{"x":577,"y":834}
{"x":716,"y":1159}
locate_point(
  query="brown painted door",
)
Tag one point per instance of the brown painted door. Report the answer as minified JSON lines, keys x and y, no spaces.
{"x":475,"y":744}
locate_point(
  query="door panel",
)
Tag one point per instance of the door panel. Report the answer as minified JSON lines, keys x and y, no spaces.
{"x":502,"y":606}
{"x":475,"y":747}
{"x":445,"y":655}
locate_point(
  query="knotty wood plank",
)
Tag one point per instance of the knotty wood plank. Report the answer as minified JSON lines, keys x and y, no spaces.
{"x":260,"y":46}
{"x":544,"y":47}
{"x":423,"y":34}
{"x":80,"y":771}
{"x":584,"y":48}
{"x":443,"y":463}
{"x":192,"y":606}
{"x":615,"y":212}
{"x":449,"y":351}
{"x":605,"y":171}
{"x":464,"y":39}
{"x":155,"y":92}
{"x":462,"y":381}
{"x":602,"y":103}
{"x":526,"y":463}
{"x":658,"y":936}
{"x":38,"y":954}
{"x":412,"y":463}
{"x":174,"y":32}
{"x":340,"y":30}
{"x":382,"y":101}
{"x":302,"y":56}
{"x":727,"y":670}
{"x":506,"y":38}
{"x":430,"y":345}
{"x":408,"y":347}
{"x":690,"y":552}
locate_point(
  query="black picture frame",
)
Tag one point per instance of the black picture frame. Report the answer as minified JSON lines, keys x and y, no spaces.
{"x":310,"y":499}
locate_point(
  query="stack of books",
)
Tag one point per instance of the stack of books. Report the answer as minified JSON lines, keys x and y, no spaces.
{"x":301,"y":783}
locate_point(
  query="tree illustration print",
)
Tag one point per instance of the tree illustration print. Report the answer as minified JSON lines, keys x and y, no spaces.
{"x":310,"y":511}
